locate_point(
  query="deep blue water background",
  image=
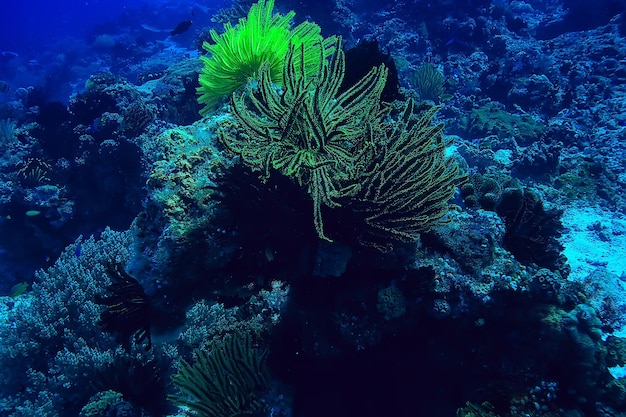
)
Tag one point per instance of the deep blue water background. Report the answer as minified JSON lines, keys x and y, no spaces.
{"x":29,"y":25}
{"x":46,"y":34}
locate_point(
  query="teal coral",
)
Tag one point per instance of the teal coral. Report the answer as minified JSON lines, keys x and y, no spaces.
{"x":99,"y":404}
{"x":209,"y":322}
{"x":57,"y":346}
{"x":615,"y":350}
{"x":182,"y":180}
{"x":391,"y":302}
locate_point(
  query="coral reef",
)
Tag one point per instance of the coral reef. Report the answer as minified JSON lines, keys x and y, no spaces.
{"x":57,"y":345}
{"x":301,"y":250}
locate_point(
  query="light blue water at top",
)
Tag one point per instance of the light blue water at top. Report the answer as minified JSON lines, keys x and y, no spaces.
{"x":26,"y":25}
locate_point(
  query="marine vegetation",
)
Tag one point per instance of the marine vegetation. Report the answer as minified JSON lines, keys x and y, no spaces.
{"x":476,"y":410}
{"x":532,"y":230}
{"x":227,"y":378}
{"x":342,"y":150}
{"x":127,"y":308}
{"x":262,"y":38}
{"x":428,"y":81}
{"x":7,"y":132}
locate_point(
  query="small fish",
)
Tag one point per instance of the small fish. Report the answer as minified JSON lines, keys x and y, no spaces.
{"x":32,"y":213}
{"x":18,"y":289}
{"x":182,"y":27}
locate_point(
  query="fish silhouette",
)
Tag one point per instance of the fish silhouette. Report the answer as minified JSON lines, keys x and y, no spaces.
{"x":182,"y":27}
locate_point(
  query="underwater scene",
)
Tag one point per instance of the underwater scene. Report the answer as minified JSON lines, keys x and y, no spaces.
{"x":306,"y":208}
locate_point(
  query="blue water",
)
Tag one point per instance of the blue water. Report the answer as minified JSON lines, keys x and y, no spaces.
{"x":40,"y":39}
{"x":28,"y":26}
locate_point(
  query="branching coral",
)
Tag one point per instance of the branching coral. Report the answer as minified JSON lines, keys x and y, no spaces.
{"x":55,"y":344}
